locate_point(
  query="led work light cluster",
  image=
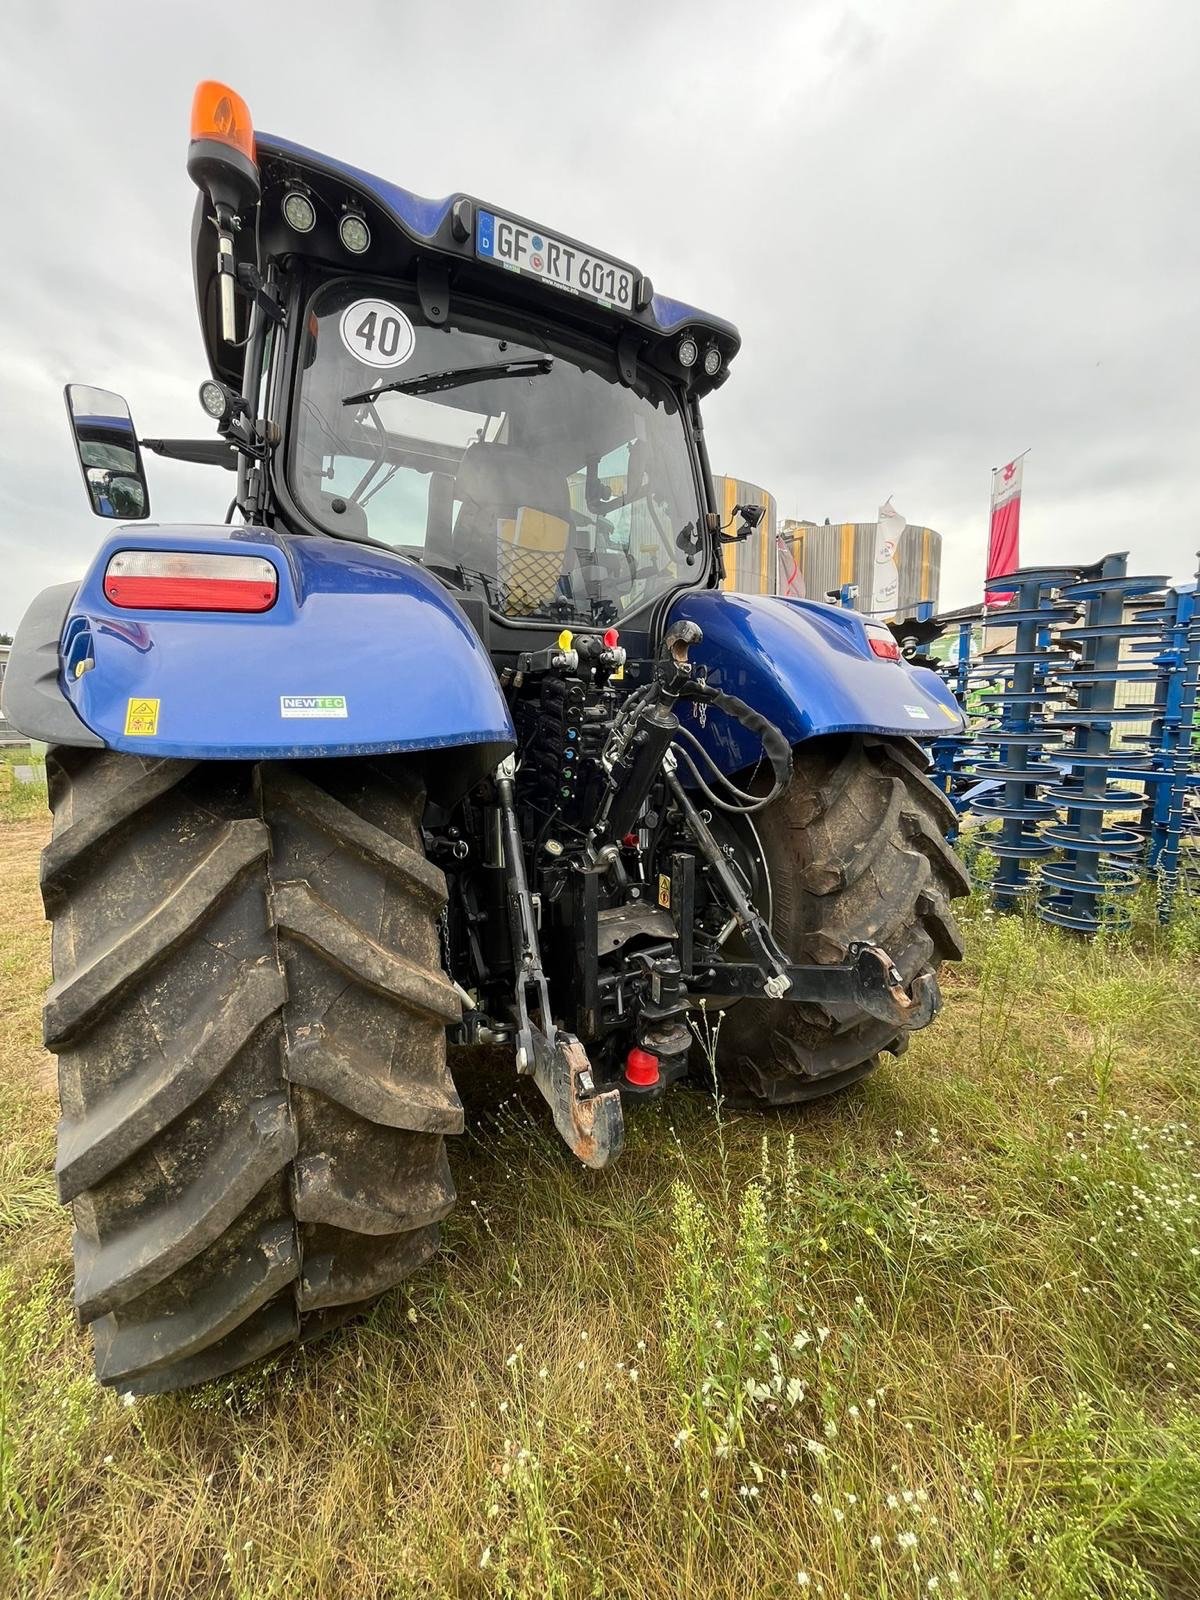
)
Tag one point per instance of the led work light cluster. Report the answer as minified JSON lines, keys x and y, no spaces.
{"x":300,"y":214}
{"x":687,"y":353}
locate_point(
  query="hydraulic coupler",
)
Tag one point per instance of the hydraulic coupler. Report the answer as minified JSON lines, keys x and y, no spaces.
{"x":633,"y":757}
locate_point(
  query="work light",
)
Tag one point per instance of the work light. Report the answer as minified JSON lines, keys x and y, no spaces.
{"x":354,"y":233}
{"x":299,"y":212}
{"x":214,"y":397}
{"x":687,"y":351}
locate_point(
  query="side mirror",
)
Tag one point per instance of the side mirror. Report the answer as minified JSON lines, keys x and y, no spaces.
{"x":108,"y":452}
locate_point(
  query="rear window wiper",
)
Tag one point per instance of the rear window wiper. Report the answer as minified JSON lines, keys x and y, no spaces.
{"x":455,"y":378}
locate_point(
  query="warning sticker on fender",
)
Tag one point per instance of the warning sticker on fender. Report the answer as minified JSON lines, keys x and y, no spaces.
{"x":141,"y":719}
{"x":918,"y":713}
{"x":312,"y":705}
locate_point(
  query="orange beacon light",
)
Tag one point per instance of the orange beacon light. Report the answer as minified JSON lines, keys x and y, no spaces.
{"x":221,"y":162}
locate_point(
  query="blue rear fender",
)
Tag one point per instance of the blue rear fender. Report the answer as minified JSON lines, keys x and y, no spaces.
{"x":809,"y":669}
{"x":362,"y":653}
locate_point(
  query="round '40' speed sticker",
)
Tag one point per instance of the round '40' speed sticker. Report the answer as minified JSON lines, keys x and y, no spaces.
{"x":377,"y":333}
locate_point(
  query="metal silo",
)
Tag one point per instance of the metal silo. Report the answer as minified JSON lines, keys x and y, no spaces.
{"x":749,"y":566}
{"x":835,"y":553}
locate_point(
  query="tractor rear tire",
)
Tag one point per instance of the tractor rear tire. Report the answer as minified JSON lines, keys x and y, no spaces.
{"x":249,"y":1013}
{"x":854,"y":850}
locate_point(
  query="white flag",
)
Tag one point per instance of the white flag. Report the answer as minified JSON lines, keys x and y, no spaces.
{"x":885,"y":572}
{"x":789,"y":580}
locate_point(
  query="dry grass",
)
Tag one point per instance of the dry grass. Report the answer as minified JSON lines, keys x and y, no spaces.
{"x":942,"y":1335}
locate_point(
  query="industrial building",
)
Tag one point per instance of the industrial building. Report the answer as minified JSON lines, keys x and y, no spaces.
{"x":829,"y":555}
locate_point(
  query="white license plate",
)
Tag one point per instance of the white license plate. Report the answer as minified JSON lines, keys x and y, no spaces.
{"x":535,"y":254}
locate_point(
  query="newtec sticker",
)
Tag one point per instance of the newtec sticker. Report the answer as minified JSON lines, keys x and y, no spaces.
{"x":312,"y":705}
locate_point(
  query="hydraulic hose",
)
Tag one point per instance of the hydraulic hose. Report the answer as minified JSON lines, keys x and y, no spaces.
{"x":775,"y":747}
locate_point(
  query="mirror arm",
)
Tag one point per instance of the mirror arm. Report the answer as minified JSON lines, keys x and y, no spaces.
{"x":201,"y":452}
{"x":264,"y":295}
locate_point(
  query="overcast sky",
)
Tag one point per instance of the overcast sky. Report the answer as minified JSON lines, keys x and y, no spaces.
{"x":948,"y":231}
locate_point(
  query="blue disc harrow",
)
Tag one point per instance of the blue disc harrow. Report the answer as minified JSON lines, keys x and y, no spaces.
{"x":1083,"y":750}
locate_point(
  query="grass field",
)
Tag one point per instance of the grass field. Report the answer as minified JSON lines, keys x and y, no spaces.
{"x":941,"y":1336}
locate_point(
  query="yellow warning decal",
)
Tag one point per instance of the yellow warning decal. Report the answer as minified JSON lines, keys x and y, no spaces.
{"x":141,"y":718}
{"x":664,"y":891}
{"x":953,"y":715}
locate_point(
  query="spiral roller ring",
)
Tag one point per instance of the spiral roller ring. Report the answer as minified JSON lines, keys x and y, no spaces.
{"x":1100,"y":859}
{"x":1172,"y":813}
{"x":1017,"y":730}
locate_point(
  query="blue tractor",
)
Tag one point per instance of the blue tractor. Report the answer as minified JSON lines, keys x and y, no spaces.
{"x":447,"y":736}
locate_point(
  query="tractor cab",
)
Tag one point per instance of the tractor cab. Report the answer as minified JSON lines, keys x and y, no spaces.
{"x":512,"y":410}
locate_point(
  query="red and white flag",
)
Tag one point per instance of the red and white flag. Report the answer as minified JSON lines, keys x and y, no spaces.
{"x":789,"y":580}
{"x":1004,"y":535}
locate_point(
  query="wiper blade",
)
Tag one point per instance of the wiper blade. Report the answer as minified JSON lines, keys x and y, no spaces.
{"x":455,"y":378}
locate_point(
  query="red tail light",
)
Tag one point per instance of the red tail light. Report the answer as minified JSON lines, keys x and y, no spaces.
{"x":182,"y":580}
{"x":882,"y":643}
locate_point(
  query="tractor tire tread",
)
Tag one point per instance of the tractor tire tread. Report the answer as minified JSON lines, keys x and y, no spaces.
{"x":249,"y":1012}
{"x":856,"y":851}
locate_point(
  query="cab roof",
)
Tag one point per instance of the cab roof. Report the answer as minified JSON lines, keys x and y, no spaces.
{"x":435,"y":242}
